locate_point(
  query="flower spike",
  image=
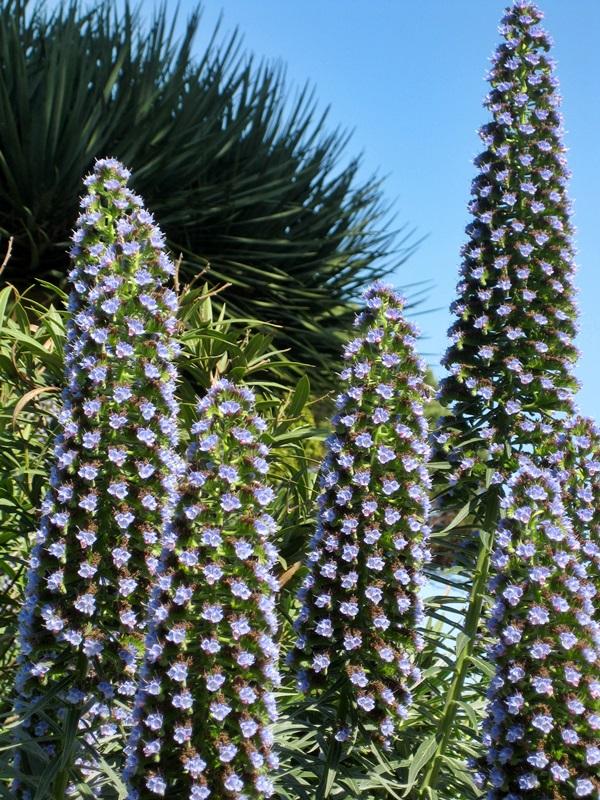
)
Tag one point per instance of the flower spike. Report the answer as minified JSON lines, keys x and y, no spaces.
{"x":543,"y":728}
{"x":518,"y":450}
{"x":113,"y":484}
{"x":512,"y":351}
{"x":206,"y":698}
{"x":361,"y":602}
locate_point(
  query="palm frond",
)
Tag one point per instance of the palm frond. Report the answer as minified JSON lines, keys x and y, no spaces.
{"x":251,"y":186}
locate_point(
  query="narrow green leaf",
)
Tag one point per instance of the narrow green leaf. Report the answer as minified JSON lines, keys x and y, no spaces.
{"x":424,"y":753}
{"x":299,"y":397}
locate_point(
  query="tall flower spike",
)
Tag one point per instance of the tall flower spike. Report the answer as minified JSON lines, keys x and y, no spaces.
{"x":361,"y":600}
{"x":512,"y":342}
{"x":511,"y":392}
{"x":206,"y":698}
{"x":543,"y":730}
{"x":114,"y":480}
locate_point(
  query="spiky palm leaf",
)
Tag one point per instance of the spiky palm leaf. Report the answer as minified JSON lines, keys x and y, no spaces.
{"x":253,"y":188}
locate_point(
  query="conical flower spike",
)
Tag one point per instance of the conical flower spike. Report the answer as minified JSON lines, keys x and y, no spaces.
{"x":360,"y":599}
{"x":510,"y":392}
{"x":206,"y":698}
{"x":113,"y":483}
{"x":512,"y":353}
{"x":543,"y":730}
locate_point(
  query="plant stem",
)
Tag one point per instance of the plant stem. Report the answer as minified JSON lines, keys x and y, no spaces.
{"x":60,"y":785}
{"x":472,"y":619}
{"x":334,"y":749}
{"x":70,"y":736}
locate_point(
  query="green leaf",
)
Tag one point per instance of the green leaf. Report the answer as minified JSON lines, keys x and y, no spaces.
{"x":460,"y":517}
{"x":5,"y":296}
{"x":424,"y":753}
{"x":299,"y":397}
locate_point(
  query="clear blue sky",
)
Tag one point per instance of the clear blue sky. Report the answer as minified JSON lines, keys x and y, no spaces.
{"x":408,"y":78}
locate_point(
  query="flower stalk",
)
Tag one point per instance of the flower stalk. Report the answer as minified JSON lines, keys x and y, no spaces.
{"x":544,"y":717}
{"x":511,"y":385}
{"x":206,"y":698}
{"x":360,"y":599}
{"x":113,"y":483}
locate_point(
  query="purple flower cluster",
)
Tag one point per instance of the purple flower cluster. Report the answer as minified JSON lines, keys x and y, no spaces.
{"x":206,"y":696}
{"x":510,"y":392}
{"x":512,"y":346}
{"x":113,"y":484}
{"x":360,"y":600}
{"x":542,"y":735}
{"x":576,"y":448}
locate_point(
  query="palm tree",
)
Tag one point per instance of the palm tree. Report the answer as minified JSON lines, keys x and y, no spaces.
{"x":251,"y":187}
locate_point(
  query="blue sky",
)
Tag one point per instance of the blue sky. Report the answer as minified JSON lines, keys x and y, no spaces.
{"x":408,"y":78}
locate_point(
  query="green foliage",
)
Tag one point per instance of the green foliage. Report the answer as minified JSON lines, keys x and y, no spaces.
{"x":31,"y":338}
{"x":30,"y":368}
{"x":251,"y":188}
{"x":31,"y":353}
